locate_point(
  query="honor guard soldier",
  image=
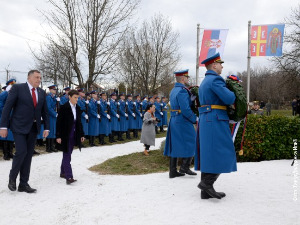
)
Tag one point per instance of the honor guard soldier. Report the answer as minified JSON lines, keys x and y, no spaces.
{"x":94,"y":117}
{"x":123,"y":115}
{"x":158,"y":114}
{"x":138,"y":112}
{"x":181,"y":135}
{"x":150,"y":100}
{"x":104,"y":127}
{"x":115,"y":116}
{"x":83,"y":104}
{"x":217,"y":152}
{"x":165,"y":111}
{"x":52,"y":114}
{"x":256,"y":109}
{"x":145,"y":103}
{"x":8,"y":142}
{"x":131,"y":116}
{"x":65,"y":97}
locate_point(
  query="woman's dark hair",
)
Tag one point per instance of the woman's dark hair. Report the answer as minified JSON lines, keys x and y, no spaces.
{"x":149,"y":106}
{"x":73,"y":92}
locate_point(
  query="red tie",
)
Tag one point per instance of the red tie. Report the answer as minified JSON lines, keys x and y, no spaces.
{"x":33,"y":97}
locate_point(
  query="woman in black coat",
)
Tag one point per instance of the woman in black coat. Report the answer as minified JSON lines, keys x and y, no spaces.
{"x":69,"y":133}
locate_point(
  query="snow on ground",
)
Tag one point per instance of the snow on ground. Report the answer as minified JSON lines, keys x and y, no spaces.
{"x":259,"y":193}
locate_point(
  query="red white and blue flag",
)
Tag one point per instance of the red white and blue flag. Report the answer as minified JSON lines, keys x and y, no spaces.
{"x":213,"y":41}
{"x":266,"y":40}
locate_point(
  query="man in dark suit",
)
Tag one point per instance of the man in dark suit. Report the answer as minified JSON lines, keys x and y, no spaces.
{"x":22,"y":113}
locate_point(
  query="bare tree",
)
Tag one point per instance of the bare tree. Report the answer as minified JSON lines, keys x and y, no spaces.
{"x":149,"y":55}
{"x":87,"y":33}
{"x":290,"y":60}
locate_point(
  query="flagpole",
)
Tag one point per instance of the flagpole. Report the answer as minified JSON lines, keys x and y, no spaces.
{"x":197,"y":55}
{"x":248,"y":63}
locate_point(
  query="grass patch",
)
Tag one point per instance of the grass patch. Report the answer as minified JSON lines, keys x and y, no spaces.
{"x":135,"y":164}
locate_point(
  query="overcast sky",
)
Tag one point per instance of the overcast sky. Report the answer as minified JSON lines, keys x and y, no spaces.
{"x":21,"y":25}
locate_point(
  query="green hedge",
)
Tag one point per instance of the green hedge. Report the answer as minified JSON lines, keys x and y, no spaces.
{"x":268,"y":138}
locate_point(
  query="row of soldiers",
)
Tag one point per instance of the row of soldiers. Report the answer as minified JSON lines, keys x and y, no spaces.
{"x":105,"y":117}
{"x":100,"y":116}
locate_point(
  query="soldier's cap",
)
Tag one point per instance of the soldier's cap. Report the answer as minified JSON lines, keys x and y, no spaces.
{"x":11,"y":81}
{"x":150,"y":97}
{"x":53,"y":87}
{"x":93,"y":92}
{"x":102,"y":93}
{"x":129,"y":95}
{"x":255,"y":102}
{"x":80,"y":89}
{"x":67,"y":89}
{"x":157,"y":97}
{"x":4,"y":87}
{"x":122,"y":94}
{"x":163,"y":97}
{"x":212,"y":59}
{"x":145,"y":96}
{"x":180,"y":73}
{"x":87,"y":94}
{"x":113,"y":94}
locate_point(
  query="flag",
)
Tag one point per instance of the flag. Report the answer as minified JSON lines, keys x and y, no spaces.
{"x":266,"y":40}
{"x":213,"y":41}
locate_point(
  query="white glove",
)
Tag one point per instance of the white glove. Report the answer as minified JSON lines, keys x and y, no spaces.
{"x":86,"y":116}
{"x":193,"y":97}
{"x":58,"y":99}
{"x":98,"y":102}
{"x":98,"y":116}
{"x":141,"y":115}
{"x":161,"y":113}
{"x":108,"y":103}
{"x":126,"y":103}
{"x":141,"y":103}
{"x":56,"y":114}
{"x":161,"y":104}
{"x":134,"y":103}
{"x":126,"y":114}
{"x":41,"y":118}
{"x":87,"y":102}
{"x":118,"y":103}
{"x":165,"y":107}
{"x":133,"y":114}
{"x":117,"y":115}
{"x":108,"y":116}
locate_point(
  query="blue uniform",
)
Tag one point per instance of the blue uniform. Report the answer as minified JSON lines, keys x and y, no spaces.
{"x":51,"y":105}
{"x":82,"y":104}
{"x":165,"y":112}
{"x":145,"y":103}
{"x":104,"y":127}
{"x":217,"y":153}
{"x":131,"y":118}
{"x":115,"y":123}
{"x":158,"y":111}
{"x":3,"y":97}
{"x":123,"y":120}
{"x":64,"y":99}
{"x":181,"y":135}
{"x":93,"y":120}
{"x":138,"y":112}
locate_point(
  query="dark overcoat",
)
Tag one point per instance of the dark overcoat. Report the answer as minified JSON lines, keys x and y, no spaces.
{"x":64,"y":124}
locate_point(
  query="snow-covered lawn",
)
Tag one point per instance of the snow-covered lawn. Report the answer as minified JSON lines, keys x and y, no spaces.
{"x":259,"y":193}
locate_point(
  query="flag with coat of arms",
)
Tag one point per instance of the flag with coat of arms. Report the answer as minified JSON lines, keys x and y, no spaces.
{"x":267,"y":40}
{"x":213,"y":41}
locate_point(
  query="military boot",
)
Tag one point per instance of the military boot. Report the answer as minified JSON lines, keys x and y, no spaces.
{"x":173,"y":169}
{"x":185,"y":166}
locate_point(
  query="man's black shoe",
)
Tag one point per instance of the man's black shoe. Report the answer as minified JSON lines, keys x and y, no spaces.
{"x":174,"y":174}
{"x":12,"y":185}
{"x":26,"y":188}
